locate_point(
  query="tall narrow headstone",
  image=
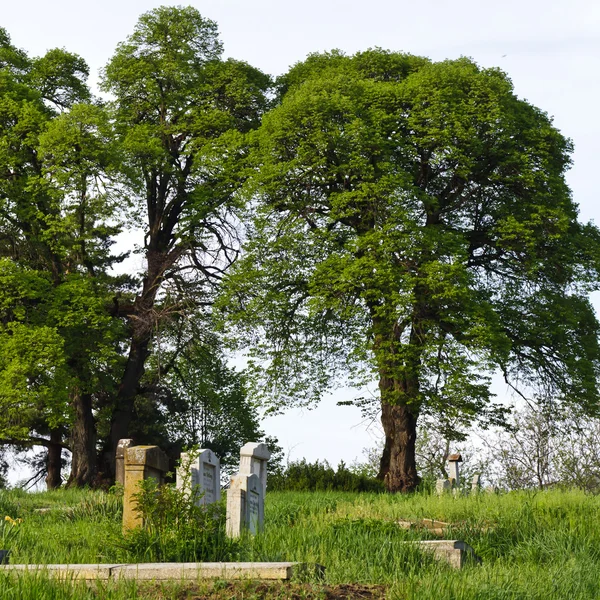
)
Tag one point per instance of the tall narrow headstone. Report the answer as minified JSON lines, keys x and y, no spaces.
{"x":200,"y":472}
{"x":120,"y":460}
{"x":254,"y":457}
{"x":141,"y":462}
{"x":245,"y":505}
{"x":476,"y":483}
{"x":454,"y":476}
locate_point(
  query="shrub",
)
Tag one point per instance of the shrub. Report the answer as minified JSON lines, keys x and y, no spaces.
{"x":320,"y":476}
{"x":175,"y":529}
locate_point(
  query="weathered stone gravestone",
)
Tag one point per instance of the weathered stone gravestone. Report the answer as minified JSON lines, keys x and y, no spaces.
{"x":476,"y":484}
{"x":141,"y":462}
{"x":120,"y":460}
{"x":442,"y":486}
{"x":200,"y":472}
{"x":254,"y":457}
{"x":453,"y":461}
{"x":245,"y":505}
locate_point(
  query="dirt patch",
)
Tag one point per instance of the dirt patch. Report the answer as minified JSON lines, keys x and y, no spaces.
{"x":248,"y":590}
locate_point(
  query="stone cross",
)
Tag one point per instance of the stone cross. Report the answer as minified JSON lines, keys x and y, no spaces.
{"x":245,"y":505}
{"x":253,"y":459}
{"x":453,"y":461}
{"x":120,"y":460}
{"x":200,"y":472}
{"x":141,"y":462}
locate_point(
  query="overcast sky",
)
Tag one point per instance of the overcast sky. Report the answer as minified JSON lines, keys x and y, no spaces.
{"x":549,"y":48}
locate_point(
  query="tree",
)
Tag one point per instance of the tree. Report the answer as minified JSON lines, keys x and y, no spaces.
{"x":412,"y":222}
{"x":179,"y":112}
{"x":55,"y":206}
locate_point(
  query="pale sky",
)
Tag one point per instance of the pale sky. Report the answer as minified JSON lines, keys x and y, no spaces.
{"x":549,"y":48}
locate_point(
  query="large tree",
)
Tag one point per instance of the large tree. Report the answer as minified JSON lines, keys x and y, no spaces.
{"x":59,"y":341}
{"x":180,"y":111}
{"x":412,"y":222}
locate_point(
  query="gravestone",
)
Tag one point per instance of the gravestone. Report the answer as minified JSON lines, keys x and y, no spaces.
{"x":200,"y":472}
{"x":254,"y":457}
{"x":245,"y":505}
{"x":454,"y":477}
{"x":476,"y":483}
{"x":442,"y":486}
{"x":141,"y":462}
{"x":120,"y":460}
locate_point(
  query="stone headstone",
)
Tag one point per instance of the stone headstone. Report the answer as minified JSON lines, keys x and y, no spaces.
{"x":476,"y":483}
{"x":442,"y":486}
{"x":254,"y":457}
{"x":141,"y":462}
{"x":200,"y":472}
{"x":454,"y":476}
{"x":245,"y":505}
{"x":120,"y":460}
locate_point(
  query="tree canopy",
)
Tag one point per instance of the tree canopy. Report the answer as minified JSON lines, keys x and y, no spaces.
{"x":411,"y":221}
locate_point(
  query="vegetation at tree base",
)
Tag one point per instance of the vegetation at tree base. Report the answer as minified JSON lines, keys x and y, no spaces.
{"x":412,"y":223}
{"x":533,"y":545}
{"x":387,"y":217}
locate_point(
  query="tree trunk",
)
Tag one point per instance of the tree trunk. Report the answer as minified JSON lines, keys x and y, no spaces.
{"x":83,"y":445}
{"x":398,"y":465}
{"x":399,"y":389}
{"x":54,"y":461}
{"x":142,"y":322}
{"x":125,"y":405}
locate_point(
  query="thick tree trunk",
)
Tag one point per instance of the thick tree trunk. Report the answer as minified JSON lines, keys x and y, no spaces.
{"x":399,"y":388}
{"x":142,"y":322}
{"x":54,"y":461}
{"x":398,"y":465}
{"x":83,"y":444}
{"x":125,"y":406}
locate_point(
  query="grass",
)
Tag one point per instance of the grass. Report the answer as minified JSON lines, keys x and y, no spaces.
{"x":541,"y":545}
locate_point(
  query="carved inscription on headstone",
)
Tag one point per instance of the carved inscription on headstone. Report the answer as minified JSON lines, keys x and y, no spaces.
{"x":245,"y":505}
{"x":199,"y":474}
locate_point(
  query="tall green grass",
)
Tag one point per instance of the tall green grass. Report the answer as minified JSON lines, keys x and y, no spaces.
{"x":542,"y":545}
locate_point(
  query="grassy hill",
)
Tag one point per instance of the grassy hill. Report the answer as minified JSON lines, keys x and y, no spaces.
{"x":533,"y":545}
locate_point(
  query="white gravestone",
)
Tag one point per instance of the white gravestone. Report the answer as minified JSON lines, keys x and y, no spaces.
{"x":245,"y":505}
{"x":200,"y":471}
{"x":254,"y":457}
{"x":476,"y":483}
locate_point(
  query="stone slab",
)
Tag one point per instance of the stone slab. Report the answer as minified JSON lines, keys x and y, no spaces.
{"x":455,"y":552}
{"x":79,"y":571}
{"x":172,"y":571}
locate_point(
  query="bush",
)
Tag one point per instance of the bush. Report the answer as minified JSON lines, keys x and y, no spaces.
{"x":176,"y":530}
{"x":320,"y":476}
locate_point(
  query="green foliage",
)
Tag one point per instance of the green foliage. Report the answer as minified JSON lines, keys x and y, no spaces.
{"x":175,"y":529}
{"x":411,"y":221}
{"x":319,"y":476}
{"x":208,"y":405}
{"x":9,"y":531}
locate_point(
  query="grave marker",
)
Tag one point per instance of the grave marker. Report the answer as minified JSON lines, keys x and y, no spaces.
{"x":141,"y":462}
{"x":120,"y":460}
{"x":245,"y":505}
{"x":200,"y":471}
{"x":453,"y":461}
{"x":254,"y":457}
{"x":442,"y":486}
